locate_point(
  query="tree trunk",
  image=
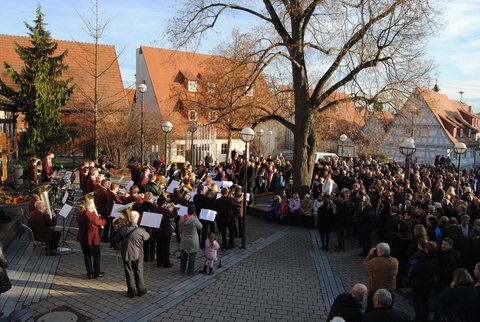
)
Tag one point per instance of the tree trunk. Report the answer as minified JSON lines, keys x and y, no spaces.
{"x":304,"y":143}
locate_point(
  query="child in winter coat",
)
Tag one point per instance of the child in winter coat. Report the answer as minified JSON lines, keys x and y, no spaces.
{"x":211,"y":247}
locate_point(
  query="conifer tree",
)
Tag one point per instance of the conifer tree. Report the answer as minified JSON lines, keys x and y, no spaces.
{"x":40,"y":90}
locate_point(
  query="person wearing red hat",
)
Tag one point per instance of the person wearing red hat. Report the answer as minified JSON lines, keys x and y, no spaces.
{"x":47,"y":171}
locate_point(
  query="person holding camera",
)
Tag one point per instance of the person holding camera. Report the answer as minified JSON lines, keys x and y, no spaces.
{"x":382,"y":271}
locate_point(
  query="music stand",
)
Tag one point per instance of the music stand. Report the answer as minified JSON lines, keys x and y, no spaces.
{"x":64,"y":213}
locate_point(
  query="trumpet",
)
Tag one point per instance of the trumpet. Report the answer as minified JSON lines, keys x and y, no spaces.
{"x":123,"y":220}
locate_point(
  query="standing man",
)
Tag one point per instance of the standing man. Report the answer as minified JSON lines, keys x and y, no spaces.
{"x":89,"y":224}
{"x":132,"y":238}
{"x":382,"y":271}
{"x":224,"y":207}
{"x":47,"y":171}
{"x":101,"y":199}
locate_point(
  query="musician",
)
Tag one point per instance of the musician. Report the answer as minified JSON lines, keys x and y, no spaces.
{"x":30,"y":175}
{"x":152,"y":186}
{"x":164,"y":233}
{"x":43,"y":227}
{"x":112,"y":197}
{"x":144,"y":178}
{"x":238,"y":209}
{"x":47,"y":171}
{"x":135,"y":196}
{"x":132,"y":238}
{"x":101,"y":199}
{"x":158,"y":164}
{"x":208,"y":160}
{"x":89,"y":224}
{"x":201,"y":201}
{"x":31,"y":204}
{"x":83,"y":172}
{"x":224,"y":207}
{"x":149,"y":245}
{"x":91,"y":184}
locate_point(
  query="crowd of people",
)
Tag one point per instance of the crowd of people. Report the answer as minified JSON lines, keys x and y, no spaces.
{"x":428,"y":234}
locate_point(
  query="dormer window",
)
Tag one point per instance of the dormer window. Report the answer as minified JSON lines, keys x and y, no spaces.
{"x":249,"y":91}
{"x":211,"y":88}
{"x":192,"y":86}
{"x":192,"y":115}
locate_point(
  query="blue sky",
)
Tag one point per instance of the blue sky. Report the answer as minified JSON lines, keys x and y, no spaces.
{"x":455,"y":49}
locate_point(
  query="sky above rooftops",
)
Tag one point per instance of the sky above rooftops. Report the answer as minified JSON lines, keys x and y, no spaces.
{"x":455,"y":49}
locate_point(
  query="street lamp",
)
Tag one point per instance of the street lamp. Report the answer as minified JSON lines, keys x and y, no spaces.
{"x":192,"y":128}
{"x":407,"y":148}
{"x":343,"y":138}
{"x":460,"y":148}
{"x":247,"y":135}
{"x":167,"y":127}
{"x":259,"y":134}
{"x":142,"y":88}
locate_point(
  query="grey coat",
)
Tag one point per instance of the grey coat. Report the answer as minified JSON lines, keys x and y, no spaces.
{"x":189,"y":229}
{"x":132,"y":238}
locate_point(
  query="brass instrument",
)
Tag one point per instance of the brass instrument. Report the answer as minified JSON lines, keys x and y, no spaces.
{"x":87,"y":197}
{"x":43,"y":192}
{"x":122,"y":220}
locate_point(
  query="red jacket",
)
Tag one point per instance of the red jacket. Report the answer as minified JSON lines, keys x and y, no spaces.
{"x":91,"y":184}
{"x":47,"y":171}
{"x":101,"y":199}
{"x":42,"y":225}
{"x":88,"y":228}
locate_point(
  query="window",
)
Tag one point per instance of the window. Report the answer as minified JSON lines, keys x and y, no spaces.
{"x":211,"y":88}
{"x":224,"y":148}
{"x":192,"y":115}
{"x":192,"y":86}
{"x":249,"y":91}
{"x":180,"y":149}
{"x":460,"y":134}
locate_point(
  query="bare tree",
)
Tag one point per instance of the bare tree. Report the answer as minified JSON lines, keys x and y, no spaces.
{"x":103,"y":102}
{"x":372,"y":49}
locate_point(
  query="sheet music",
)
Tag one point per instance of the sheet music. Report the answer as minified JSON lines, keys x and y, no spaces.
{"x":129,"y":185}
{"x":151,"y":219}
{"x":248,"y":196}
{"x":182,"y":210}
{"x":65,"y":197}
{"x":208,"y":214}
{"x":68,"y":175}
{"x":219,"y":195}
{"x":174,"y":184}
{"x":121,"y":179}
{"x":115,"y":212}
{"x":65,"y":210}
{"x":192,"y":194}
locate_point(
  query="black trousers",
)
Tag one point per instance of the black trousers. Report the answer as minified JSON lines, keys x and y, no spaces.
{"x":163,"y":251}
{"x":149,"y":247}
{"x":231,"y":235}
{"x":91,"y":253}
{"x":421,"y":304}
{"x":340,"y":237}
{"x":184,"y":256}
{"x":106,"y":229}
{"x":134,"y":276}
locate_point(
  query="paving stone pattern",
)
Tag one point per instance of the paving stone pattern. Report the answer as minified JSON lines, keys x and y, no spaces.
{"x":278,"y":283}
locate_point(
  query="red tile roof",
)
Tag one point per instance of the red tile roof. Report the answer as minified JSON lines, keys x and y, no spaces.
{"x":81,"y":67}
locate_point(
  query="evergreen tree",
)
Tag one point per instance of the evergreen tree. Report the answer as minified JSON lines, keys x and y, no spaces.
{"x":40,"y":90}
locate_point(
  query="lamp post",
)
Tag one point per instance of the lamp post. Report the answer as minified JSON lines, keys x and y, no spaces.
{"x":166,"y":128}
{"x":142,"y":88}
{"x":247,"y":135}
{"x":343,"y":138}
{"x":192,"y":128}
{"x":460,"y":148}
{"x":407,"y":148}
{"x":260,"y":134}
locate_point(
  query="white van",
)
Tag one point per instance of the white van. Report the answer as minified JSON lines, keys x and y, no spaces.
{"x":324,"y":156}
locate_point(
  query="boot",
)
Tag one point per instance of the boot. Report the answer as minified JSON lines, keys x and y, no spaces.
{"x":204,"y":270}
{"x":210,"y":271}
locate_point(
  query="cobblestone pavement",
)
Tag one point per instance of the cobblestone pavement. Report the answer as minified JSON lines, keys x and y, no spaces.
{"x":282,"y":275}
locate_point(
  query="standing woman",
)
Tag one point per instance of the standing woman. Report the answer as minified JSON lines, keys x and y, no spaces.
{"x":325,"y":222}
{"x":366,"y":222}
{"x":5,"y":283}
{"x":189,"y":244}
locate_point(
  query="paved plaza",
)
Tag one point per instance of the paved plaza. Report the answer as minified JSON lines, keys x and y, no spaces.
{"x":281,"y":276}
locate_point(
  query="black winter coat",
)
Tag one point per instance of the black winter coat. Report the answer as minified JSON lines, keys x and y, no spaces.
{"x":386,"y":314}
{"x":461,"y":302}
{"x":347,"y":307}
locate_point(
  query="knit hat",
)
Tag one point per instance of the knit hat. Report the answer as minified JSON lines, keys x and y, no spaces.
{"x":50,"y":154}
